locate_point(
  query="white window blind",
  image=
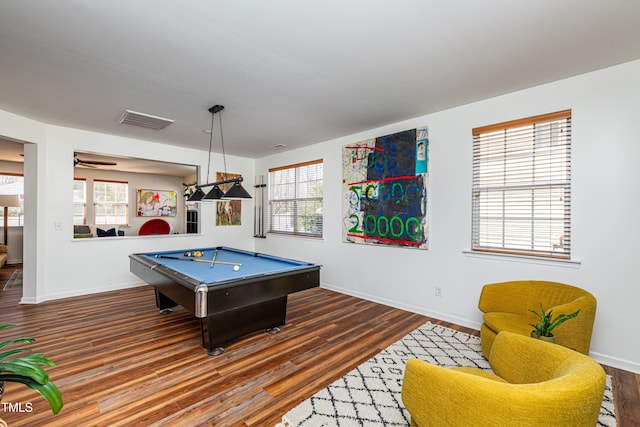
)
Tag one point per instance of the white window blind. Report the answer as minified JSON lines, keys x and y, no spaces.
{"x":522,"y":186}
{"x":110,"y":199}
{"x":295,"y":199}
{"x":79,"y":201}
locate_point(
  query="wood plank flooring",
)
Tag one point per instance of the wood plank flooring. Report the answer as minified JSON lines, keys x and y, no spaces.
{"x":121,"y":363}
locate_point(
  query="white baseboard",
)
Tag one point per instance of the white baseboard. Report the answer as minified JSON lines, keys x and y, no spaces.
{"x":80,"y":292}
{"x":616,"y":362}
{"x":407,"y":307}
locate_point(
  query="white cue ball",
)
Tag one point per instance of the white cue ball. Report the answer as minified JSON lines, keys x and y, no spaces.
{"x":236,"y":267}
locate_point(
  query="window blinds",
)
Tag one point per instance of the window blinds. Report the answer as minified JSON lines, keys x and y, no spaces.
{"x":295,"y":199}
{"x":522,"y":186}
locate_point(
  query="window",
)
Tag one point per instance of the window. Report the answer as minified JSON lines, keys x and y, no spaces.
{"x":522,"y":186}
{"x":79,"y":201}
{"x":9,"y":185}
{"x":110,"y":200}
{"x":295,"y":199}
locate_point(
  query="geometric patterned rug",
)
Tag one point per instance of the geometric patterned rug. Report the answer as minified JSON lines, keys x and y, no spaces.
{"x":370,"y":395}
{"x":15,"y":281}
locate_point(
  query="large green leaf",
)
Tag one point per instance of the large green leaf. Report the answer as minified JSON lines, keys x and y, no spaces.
{"x":560,"y":319}
{"x":26,"y":369}
{"x":13,"y":351}
{"x":48,"y":390}
{"x":22,"y":340}
{"x":37,"y":358}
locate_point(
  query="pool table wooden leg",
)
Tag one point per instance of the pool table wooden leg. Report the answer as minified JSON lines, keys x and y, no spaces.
{"x":164,"y":303}
{"x":220,"y":329}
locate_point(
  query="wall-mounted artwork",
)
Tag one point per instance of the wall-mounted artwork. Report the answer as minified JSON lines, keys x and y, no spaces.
{"x":384,"y":186}
{"x":229,"y":212}
{"x":156,"y":203}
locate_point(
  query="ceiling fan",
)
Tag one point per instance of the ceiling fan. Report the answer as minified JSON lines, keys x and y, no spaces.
{"x":90,"y":163}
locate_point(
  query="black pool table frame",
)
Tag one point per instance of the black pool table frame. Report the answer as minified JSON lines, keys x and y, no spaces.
{"x":231,"y":309}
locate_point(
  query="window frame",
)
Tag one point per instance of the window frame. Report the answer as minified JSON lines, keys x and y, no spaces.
{"x":543,"y":140}
{"x":97,"y":203}
{"x":297,"y":220}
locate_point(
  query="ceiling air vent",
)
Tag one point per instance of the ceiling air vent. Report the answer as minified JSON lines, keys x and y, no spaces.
{"x":145,"y":120}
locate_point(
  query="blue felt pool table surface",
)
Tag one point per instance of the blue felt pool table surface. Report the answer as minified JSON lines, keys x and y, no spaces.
{"x":250,"y":264}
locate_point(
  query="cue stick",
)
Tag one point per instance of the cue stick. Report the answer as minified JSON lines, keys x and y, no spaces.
{"x":262,"y":187}
{"x":255,"y":210}
{"x":213,"y":258}
{"x":261,"y":208}
{"x":258,"y":218}
{"x":196,"y":260}
{"x":258,"y":223}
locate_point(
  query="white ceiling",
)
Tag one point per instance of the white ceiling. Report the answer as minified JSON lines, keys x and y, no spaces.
{"x":288,"y":71}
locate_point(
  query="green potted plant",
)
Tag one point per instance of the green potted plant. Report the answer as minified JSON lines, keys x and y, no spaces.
{"x":547,"y":323}
{"x":21,"y":365}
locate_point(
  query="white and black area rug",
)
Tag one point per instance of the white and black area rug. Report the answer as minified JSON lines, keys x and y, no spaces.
{"x":370,"y":394}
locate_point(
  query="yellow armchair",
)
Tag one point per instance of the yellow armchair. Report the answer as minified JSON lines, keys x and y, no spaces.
{"x":535,"y":384}
{"x":506,"y":307}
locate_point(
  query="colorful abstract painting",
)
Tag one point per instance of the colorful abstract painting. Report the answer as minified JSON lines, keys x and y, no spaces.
{"x":385,"y":190}
{"x":156,"y":203}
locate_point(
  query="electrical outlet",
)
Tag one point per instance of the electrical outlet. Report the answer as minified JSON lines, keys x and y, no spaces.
{"x":438,"y":291}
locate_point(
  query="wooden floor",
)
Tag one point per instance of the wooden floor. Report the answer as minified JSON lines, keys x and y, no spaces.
{"x":121,"y":363}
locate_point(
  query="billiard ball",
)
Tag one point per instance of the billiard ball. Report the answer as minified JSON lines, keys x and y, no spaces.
{"x":197,"y":254}
{"x":236,"y":267}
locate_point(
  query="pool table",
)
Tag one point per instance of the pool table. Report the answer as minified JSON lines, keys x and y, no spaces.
{"x":233,"y":292}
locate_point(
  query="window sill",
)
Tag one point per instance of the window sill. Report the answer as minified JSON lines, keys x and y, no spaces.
{"x":570,"y":263}
{"x":133,"y":236}
{"x":299,"y":236}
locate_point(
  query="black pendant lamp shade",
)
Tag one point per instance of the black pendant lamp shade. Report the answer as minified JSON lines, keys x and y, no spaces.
{"x":215,"y":194}
{"x":237,"y":192}
{"x":196,"y":196}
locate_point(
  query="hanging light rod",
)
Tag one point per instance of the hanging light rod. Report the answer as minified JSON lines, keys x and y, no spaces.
{"x":236,"y":191}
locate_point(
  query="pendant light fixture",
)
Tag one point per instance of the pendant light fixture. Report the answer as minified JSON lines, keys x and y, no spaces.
{"x":237,"y":191}
{"x":196,"y":196}
{"x":216,"y":193}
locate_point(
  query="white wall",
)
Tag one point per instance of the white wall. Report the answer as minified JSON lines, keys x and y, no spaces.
{"x":605,"y":207}
{"x":58,"y":266}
